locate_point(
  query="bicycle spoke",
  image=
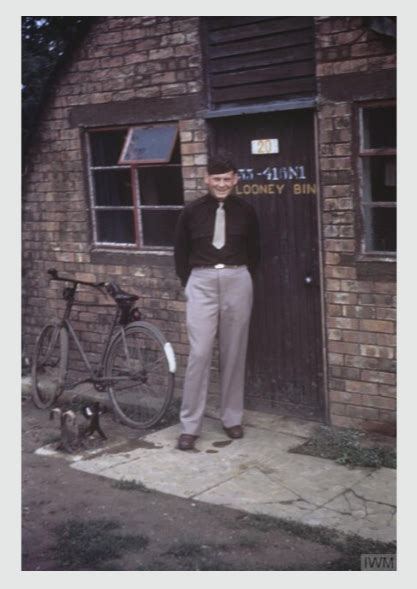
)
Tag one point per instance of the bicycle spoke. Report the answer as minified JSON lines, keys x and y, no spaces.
{"x":138,"y":355}
{"x":48,"y":366}
{"x":156,"y":363}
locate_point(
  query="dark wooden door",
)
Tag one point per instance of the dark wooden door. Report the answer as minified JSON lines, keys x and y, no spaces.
{"x":285,"y":358}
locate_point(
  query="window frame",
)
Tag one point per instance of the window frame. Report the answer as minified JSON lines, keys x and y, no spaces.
{"x":146,"y":161}
{"x":136,"y":207}
{"x":365,"y":253}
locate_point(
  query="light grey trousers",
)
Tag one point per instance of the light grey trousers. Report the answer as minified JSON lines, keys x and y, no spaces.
{"x":218,"y":301}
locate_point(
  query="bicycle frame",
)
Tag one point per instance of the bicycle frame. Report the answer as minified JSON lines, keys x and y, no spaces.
{"x":95,"y":374}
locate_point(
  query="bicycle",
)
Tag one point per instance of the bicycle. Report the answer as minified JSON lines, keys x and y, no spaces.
{"x":136,"y":366}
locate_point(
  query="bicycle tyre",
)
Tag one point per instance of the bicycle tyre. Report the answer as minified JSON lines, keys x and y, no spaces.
{"x":49,"y":365}
{"x":143,"y":394}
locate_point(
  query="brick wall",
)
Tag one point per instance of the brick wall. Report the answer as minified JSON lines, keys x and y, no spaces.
{"x":360,"y":310}
{"x":122,"y":59}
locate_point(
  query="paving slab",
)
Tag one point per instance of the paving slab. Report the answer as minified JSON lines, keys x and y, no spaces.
{"x":259,"y":475}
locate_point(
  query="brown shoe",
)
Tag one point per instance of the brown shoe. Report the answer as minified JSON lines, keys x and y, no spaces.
{"x":186,"y":442}
{"x":235,"y":432}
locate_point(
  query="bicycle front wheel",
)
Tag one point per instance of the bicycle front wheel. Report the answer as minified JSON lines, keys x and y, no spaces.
{"x":49,"y":365}
{"x":140,"y":366}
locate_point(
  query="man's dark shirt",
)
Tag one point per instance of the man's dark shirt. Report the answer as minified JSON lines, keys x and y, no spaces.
{"x":194,"y":234}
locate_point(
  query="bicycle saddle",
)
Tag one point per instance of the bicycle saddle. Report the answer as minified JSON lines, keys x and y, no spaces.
{"x":120,"y":295}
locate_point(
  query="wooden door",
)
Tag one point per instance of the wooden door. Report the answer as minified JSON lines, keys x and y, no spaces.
{"x":285,"y":357}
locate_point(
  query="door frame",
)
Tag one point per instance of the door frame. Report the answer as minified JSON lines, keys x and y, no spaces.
{"x":290,"y":106}
{"x":319,"y":204}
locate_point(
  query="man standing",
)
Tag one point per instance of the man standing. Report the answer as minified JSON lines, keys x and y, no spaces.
{"x":216,"y":252}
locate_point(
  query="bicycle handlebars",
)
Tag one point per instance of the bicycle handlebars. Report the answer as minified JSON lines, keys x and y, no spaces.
{"x":112,"y":288}
{"x":54,"y":275}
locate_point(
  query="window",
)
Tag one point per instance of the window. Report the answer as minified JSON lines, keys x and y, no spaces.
{"x":135,"y":186}
{"x":377,"y":156}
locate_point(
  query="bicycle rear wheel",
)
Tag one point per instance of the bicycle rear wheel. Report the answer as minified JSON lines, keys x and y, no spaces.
{"x":49,"y":365}
{"x":140,"y":366}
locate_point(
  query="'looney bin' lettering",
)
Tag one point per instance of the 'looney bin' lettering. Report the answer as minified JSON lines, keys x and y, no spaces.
{"x":273,"y":189}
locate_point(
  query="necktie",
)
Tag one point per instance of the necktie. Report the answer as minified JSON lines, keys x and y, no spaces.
{"x":219,"y":237}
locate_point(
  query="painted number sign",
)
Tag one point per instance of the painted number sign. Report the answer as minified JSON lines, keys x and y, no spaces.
{"x":264,"y":146}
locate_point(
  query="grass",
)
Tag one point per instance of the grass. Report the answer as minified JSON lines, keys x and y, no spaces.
{"x":126,"y":485}
{"x":351,"y":546}
{"x":92,"y":545}
{"x":347,"y":447}
{"x":190,"y":556}
{"x":187,"y":550}
{"x":97,"y":544}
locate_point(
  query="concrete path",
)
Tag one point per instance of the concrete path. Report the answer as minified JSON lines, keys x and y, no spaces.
{"x":257,"y":474}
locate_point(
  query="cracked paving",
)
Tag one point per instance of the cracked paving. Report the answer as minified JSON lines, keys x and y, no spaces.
{"x":258,"y":475}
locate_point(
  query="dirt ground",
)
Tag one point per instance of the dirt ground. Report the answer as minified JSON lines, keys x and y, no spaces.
{"x":77,"y":521}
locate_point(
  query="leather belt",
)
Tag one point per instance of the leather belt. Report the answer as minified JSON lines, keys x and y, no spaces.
{"x":221,"y":266}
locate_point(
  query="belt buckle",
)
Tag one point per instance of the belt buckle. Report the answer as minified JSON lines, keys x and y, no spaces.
{"x":220,"y":266}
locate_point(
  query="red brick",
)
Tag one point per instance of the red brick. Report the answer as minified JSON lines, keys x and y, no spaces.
{"x":387,"y":423}
{"x":339,"y":272}
{"x":386,"y":340}
{"x":332,"y":284}
{"x":338,"y":191}
{"x":386,"y":314}
{"x":339,"y":204}
{"x":194,"y":87}
{"x":341,"y":298}
{"x":378,"y":377}
{"x":173,"y":89}
{"x":343,"y":421}
{"x":338,"y":408}
{"x":325,"y":69}
{"x":386,"y":390}
{"x":331,"y":258}
{"x":164,"y":53}
{"x":336,"y":359}
{"x":385,"y":287}
{"x":386,"y":403}
{"x":343,"y":347}
{"x":362,"y":412}
{"x":376,"y":299}
{"x":343,"y":323}
{"x":334,"y":334}
{"x":331,"y":231}
{"x":337,"y":218}
{"x":338,"y":163}
{"x":334,"y":310}
{"x":339,"y":245}
{"x":359,"y":337}
{"x":164,"y":78}
{"x":340,"y":397}
{"x":378,"y":326}
{"x":377,"y":351}
{"x":371,"y":363}
{"x":192,"y":148}
{"x":358,"y":312}
{"x":364,"y":388}
{"x":347,"y":231}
